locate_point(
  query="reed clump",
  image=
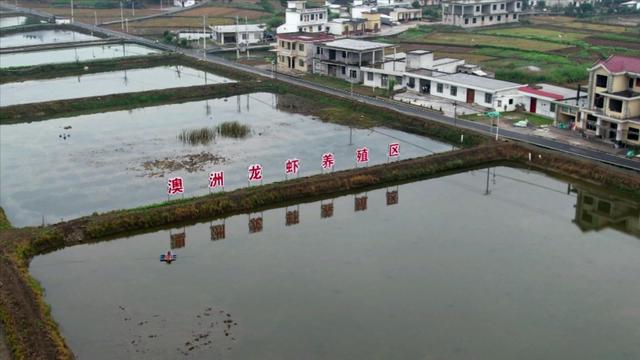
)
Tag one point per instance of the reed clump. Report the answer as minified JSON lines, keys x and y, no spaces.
{"x":233,"y":129}
{"x":202,"y":136}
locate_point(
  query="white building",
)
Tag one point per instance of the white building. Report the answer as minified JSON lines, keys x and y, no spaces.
{"x":476,"y":13}
{"x":247,"y":34}
{"x":299,"y":18}
{"x":419,"y":72}
{"x":184,"y":3}
{"x":344,"y":58}
{"x":394,"y":3}
{"x":540,"y":99}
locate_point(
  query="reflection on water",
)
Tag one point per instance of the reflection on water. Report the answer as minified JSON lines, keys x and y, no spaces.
{"x":123,"y":159}
{"x":596,"y":211}
{"x":75,"y":54}
{"x":42,"y":37}
{"x":450,"y":272}
{"x":112,"y":82}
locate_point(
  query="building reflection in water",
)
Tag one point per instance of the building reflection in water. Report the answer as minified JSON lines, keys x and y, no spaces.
{"x":178,"y":240}
{"x":599,"y":210}
{"x":360,"y":202}
{"x":326,"y":209}
{"x":255,"y":224}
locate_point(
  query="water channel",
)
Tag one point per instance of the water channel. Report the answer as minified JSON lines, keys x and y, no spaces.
{"x":113,"y":82}
{"x":69,"y":167}
{"x":73,"y":54}
{"x":490,"y":264}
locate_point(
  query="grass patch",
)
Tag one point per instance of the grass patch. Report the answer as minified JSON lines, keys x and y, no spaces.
{"x":206,"y":135}
{"x":233,"y":129}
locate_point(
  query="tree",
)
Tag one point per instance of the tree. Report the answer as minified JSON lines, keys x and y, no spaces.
{"x":415,"y":4}
{"x":540,"y":5}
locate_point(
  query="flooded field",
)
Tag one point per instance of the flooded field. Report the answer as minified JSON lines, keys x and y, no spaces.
{"x":114,"y":82}
{"x":41,"y":37}
{"x":491,"y":264}
{"x":7,"y":21}
{"x":76,"y":54}
{"x":134,"y":152}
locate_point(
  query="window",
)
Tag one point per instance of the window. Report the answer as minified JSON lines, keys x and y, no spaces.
{"x":633,"y":134}
{"x":412,"y":82}
{"x":499,"y":103}
{"x":477,"y":8}
{"x":398,"y":80}
{"x":301,"y":47}
{"x":490,"y":18}
{"x":482,"y":19}
{"x":604,"y":207}
{"x":354,"y":74}
{"x":588,"y":200}
{"x":518,"y":5}
{"x":343,"y":69}
{"x":613,"y":126}
{"x":637,"y":82}
{"x":321,"y":16}
{"x":474,"y":20}
{"x":281,"y":43}
{"x":370,"y":76}
{"x":615,"y":105}
{"x":488,"y":98}
{"x":466,"y":21}
{"x":495,"y":6}
{"x":499,"y":17}
{"x":630,"y":83}
{"x":439,"y":88}
{"x":552,"y":107}
{"x":501,"y":6}
{"x":586,"y":217}
{"x":601,"y":81}
{"x":318,"y":51}
{"x":301,"y":63}
{"x":344,"y":54}
{"x":510,"y":101}
{"x":454,"y":91}
{"x":515,"y":16}
{"x":384,"y":79}
{"x":319,"y":27}
{"x":598,"y":101}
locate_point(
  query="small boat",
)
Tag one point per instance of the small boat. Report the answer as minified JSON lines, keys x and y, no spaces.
{"x":168,"y":257}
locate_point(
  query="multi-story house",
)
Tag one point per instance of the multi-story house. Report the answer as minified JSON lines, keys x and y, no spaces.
{"x":299,"y":18}
{"x":295,"y":50}
{"x":613,"y":110}
{"x":476,"y":13}
{"x":344,"y":58}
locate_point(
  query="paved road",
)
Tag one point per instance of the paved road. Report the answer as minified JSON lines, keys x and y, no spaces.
{"x":169,"y":12}
{"x":409,"y":110}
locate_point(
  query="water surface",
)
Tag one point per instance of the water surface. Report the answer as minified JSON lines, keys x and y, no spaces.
{"x":76,"y":54}
{"x":113,"y":82}
{"x":98,"y":163}
{"x":460,"y":268}
{"x":42,"y":37}
{"x":7,"y":21}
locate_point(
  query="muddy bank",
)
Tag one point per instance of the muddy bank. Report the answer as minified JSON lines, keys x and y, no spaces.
{"x":48,"y":26}
{"x":49,"y":71}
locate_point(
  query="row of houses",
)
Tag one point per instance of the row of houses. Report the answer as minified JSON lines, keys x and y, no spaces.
{"x":609,"y":109}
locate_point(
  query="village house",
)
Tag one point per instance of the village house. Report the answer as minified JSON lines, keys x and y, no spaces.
{"x":542,"y":99}
{"x":346,"y":27}
{"x":371,"y":17}
{"x":420,"y":73}
{"x":184,"y":3}
{"x":344,"y":58}
{"x":476,"y":13}
{"x":299,"y":18}
{"x":246,"y":34}
{"x":295,"y":50}
{"x":400,"y":14}
{"x":613,"y":107}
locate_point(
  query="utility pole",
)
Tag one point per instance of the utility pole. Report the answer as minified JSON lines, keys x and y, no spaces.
{"x":246,"y":33}
{"x":237,"y":40}
{"x":133,"y":9}
{"x":71,"y":11}
{"x":498,"y":126}
{"x":204,"y":37}
{"x":160,"y":5}
{"x":455,"y":113}
{"x":126,"y":21}
{"x":95,"y":17}
{"x":121,"y":17}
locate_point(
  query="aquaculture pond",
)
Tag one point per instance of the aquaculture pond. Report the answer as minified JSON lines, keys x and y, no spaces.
{"x":113,"y":82}
{"x":42,"y":37}
{"x":68,"y":167}
{"x":513,"y":265}
{"x":74,"y":54}
{"x":7,"y":21}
